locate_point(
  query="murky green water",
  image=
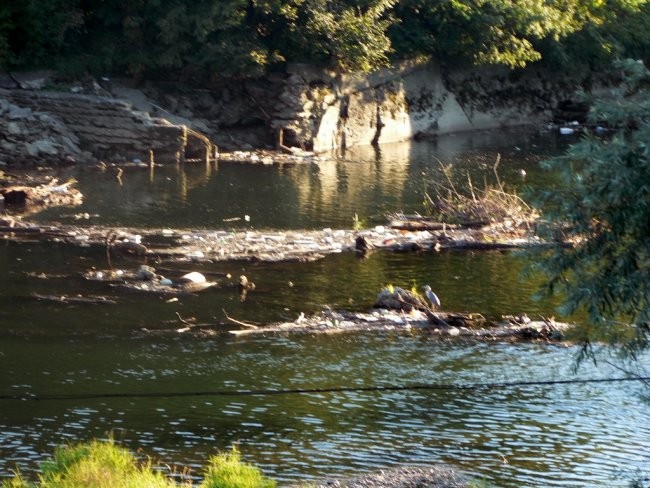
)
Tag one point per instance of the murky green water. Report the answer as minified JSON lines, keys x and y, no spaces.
{"x":365,"y":182}
{"x":580,"y":435}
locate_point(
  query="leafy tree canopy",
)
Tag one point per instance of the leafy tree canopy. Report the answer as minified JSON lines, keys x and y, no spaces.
{"x":206,"y":38}
{"x":351,"y":37}
{"x":499,"y":31}
{"x":604,"y":208}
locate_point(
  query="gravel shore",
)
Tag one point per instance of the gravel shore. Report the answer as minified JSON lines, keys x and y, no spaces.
{"x":402,"y":477}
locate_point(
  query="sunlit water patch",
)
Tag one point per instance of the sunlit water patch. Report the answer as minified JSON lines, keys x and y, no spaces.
{"x":366,"y":182}
{"x":541,"y":435}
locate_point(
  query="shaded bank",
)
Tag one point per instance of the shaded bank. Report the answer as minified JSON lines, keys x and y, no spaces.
{"x":302,"y":109}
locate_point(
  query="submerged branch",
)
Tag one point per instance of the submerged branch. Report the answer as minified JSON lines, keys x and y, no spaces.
{"x":239,"y":322}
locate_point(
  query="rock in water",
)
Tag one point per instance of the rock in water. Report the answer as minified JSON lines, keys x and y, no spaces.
{"x":146,"y":273}
{"x":193,"y":277}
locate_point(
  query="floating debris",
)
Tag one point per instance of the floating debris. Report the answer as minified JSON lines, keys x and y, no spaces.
{"x":468,"y":326}
{"x":76,"y":299}
{"x":244,"y":287}
{"x":203,"y":246}
{"x":145,"y":278}
{"x":32,"y":199}
{"x":193,"y":277}
{"x":294,"y":156}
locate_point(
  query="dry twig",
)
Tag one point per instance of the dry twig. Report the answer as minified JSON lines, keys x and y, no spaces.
{"x":492,"y":203}
{"x":239,"y":322}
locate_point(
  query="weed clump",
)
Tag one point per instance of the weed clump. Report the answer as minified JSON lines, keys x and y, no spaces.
{"x":226,"y":470}
{"x":489,"y":204}
{"x":103,"y":464}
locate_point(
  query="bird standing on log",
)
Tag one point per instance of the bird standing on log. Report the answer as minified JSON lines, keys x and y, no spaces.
{"x":433,"y":298}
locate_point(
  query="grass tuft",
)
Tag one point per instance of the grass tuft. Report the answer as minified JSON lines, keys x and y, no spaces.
{"x":99,"y":464}
{"x":103,"y":464}
{"x":226,"y":470}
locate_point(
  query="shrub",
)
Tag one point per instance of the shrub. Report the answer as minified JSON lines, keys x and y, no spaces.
{"x":226,"y":470}
{"x":97,"y":464}
{"x":102,"y":464}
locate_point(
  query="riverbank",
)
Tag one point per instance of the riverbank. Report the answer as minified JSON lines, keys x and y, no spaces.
{"x":47,"y":120}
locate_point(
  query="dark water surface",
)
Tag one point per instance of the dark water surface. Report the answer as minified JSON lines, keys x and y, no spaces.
{"x":569,"y":435}
{"x":365,"y":182}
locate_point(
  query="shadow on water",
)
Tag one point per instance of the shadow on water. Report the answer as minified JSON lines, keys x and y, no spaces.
{"x":574,"y":435}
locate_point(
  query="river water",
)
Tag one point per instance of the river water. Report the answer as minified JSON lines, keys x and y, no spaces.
{"x":182,"y":397}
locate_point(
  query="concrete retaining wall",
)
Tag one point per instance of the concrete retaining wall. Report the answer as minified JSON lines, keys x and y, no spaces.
{"x":412,"y":101}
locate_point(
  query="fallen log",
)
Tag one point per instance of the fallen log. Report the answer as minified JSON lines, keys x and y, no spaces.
{"x":423,"y":223}
{"x":94,"y":300}
{"x":465,"y":326}
{"x":20,"y":230}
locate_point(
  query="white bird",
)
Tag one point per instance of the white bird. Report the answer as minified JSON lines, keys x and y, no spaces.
{"x":193,"y":277}
{"x":433,"y":298}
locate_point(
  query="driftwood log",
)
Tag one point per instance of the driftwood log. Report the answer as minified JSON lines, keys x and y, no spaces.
{"x":78,"y":299}
{"x":460,"y":326}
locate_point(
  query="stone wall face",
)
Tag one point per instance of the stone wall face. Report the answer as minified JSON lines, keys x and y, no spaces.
{"x":324,"y":112}
{"x":317,"y":110}
{"x":28,"y":136}
{"x":104,"y":128}
{"x":304,"y":107}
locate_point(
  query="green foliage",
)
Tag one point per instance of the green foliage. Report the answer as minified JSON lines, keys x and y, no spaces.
{"x":604,"y":209}
{"x":99,"y":465}
{"x":617,"y":30}
{"x":499,"y":31}
{"x":204,"y":39}
{"x":226,"y":470}
{"x":102,"y":464}
{"x":350,"y":37}
{"x":32,"y":31}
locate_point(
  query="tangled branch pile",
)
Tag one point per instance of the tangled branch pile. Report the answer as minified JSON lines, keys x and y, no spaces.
{"x":488,"y":205}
